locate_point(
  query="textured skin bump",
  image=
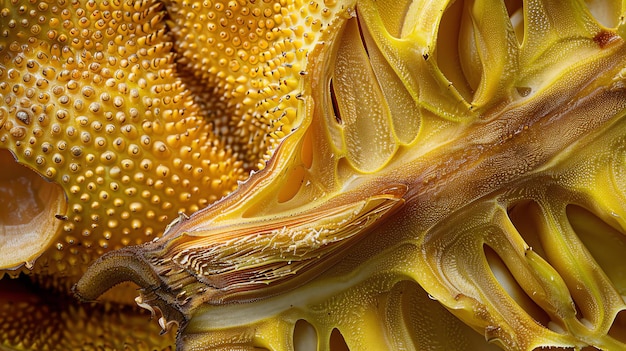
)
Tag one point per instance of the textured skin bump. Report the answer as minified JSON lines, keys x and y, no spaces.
{"x":90,"y":99}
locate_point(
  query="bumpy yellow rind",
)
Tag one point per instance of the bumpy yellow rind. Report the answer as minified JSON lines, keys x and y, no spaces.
{"x":91,"y":100}
{"x":246,"y":59}
{"x":32,"y":318}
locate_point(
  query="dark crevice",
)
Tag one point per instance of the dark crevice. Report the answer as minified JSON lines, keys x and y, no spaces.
{"x":513,"y":6}
{"x":524,"y":91}
{"x":521,"y":214}
{"x":336,"y":109}
{"x":337,"y":342}
{"x":515,"y":10}
{"x":618,"y":329}
{"x":579,"y":312}
{"x":360,"y":26}
{"x":447,"y":50}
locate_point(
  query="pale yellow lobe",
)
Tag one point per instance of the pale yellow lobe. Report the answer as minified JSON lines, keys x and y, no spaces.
{"x":30,"y":204}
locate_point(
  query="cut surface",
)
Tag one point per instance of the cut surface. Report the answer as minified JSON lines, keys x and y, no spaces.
{"x":433,"y":174}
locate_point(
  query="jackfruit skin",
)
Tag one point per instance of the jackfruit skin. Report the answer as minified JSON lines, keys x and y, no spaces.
{"x":92,"y":101}
{"x":246,"y":59}
{"x":32,"y":318}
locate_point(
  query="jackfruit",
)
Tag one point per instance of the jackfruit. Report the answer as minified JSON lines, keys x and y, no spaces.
{"x":427,"y":175}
